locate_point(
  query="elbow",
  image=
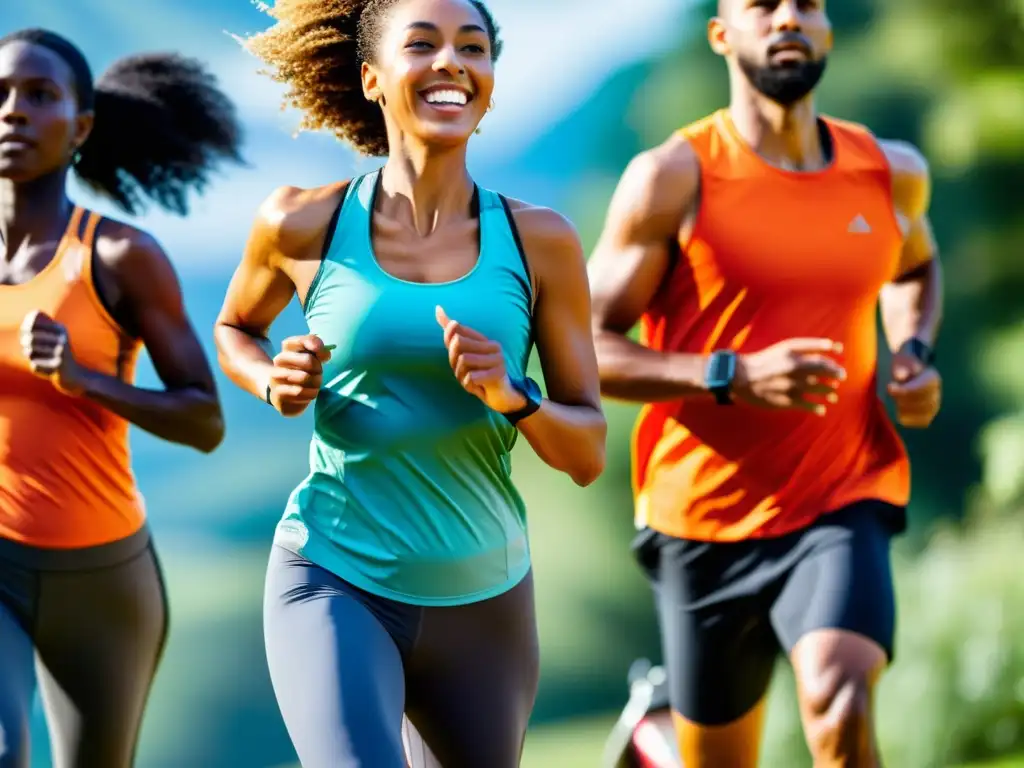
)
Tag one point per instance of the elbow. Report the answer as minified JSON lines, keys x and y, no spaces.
{"x":212,"y":437}
{"x":591,"y":464}
{"x":209,"y":429}
{"x":223,"y":356}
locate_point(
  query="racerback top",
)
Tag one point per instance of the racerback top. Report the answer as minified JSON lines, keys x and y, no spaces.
{"x":65,"y":466}
{"x":773,"y":255}
{"x":410,"y":492}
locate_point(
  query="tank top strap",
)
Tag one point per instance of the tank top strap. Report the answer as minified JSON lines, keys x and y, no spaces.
{"x":857,"y":149}
{"x":86,"y":241}
{"x":75,"y":231}
{"x":500,"y":241}
{"x":348,"y":241}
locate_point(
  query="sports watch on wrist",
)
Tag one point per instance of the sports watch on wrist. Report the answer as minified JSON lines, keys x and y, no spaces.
{"x":719,"y":374}
{"x":529,"y":389}
{"x":917,"y":348}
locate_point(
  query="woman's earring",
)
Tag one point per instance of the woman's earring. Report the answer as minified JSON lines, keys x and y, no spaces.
{"x":489,"y":108}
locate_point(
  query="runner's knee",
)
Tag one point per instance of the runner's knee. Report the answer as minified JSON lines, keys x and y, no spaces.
{"x":838,"y":712}
{"x":836,"y":673}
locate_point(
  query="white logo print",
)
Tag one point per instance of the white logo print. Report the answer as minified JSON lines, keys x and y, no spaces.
{"x":859,"y":226}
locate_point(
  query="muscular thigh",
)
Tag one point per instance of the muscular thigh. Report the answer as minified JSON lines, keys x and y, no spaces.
{"x":472,"y":679}
{"x":99,"y":635}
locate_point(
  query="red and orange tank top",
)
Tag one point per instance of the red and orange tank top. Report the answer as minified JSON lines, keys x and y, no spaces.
{"x":65,"y":473}
{"x":773,"y":255}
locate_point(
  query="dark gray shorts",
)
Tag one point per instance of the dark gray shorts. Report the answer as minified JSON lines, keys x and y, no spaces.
{"x":727,"y":609}
{"x":90,"y":624}
{"x":346,"y":665}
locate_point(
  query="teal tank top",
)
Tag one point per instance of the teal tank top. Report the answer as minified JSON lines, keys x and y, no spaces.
{"x":410,"y":492}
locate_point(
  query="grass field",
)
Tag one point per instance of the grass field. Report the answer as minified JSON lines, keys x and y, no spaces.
{"x":578,"y":744}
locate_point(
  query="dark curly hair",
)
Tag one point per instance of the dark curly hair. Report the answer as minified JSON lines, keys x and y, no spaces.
{"x":317,"y":48}
{"x":161,"y":125}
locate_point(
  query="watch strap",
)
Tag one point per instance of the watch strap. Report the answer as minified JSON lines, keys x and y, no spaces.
{"x":530,"y":390}
{"x":919,"y":349}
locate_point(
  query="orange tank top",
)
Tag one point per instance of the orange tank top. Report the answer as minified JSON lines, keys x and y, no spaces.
{"x":773,"y":255}
{"x":65,"y":473}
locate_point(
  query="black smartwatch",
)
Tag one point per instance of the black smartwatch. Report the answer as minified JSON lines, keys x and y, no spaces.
{"x":529,"y":389}
{"x":718,"y":375}
{"x":917,"y":348}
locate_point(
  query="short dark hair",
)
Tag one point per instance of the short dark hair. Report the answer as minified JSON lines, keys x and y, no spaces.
{"x":161,"y":125}
{"x":317,"y":48}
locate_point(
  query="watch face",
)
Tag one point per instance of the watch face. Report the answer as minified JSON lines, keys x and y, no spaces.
{"x":533,"y":392}
{"x":721,"y":368}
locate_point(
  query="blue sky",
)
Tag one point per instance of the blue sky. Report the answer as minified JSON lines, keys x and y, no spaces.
{"x":557,"y":52}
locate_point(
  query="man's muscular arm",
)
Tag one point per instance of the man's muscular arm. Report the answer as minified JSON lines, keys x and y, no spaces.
{"x":658,"y":190}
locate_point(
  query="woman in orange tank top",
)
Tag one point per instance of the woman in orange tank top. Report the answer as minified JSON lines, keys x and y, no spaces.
{"x":80,"y":585}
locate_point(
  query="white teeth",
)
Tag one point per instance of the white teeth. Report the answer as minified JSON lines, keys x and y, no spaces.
{"x":447,"y":97}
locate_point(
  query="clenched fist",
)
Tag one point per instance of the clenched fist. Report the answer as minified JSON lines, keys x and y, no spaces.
{"x":479,"y":365}
{"x":44,"y":342}
{"x":297,"y":374}
{"x":916,"y":390}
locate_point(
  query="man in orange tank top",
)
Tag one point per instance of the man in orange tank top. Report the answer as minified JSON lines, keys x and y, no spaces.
{"x":82,"y":598}
{"x":755,"y":248}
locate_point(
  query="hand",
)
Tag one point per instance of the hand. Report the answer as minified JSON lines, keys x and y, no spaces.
{"x":44,"y":342}
{"x":790,"y":373}
{"x":916,"y":389}
{"x":298,"y":373}
{"x":479,"y":365}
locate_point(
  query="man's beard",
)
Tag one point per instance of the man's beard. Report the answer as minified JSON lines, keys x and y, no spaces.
{"x":785,"y":85}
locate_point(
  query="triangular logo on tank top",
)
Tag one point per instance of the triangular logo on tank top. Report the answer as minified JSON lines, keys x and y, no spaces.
{"x":859,"y":226}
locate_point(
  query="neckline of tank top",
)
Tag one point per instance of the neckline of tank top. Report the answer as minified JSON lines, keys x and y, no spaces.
{"x":66,"y":239}
{"x":727,"y":125}
{"x":475,"y":211}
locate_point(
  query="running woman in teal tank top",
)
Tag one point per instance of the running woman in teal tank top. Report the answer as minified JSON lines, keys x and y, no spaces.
{"x":399,"y":579}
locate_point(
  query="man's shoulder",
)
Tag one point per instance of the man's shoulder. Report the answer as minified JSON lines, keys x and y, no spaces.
{"x":665,"y":173}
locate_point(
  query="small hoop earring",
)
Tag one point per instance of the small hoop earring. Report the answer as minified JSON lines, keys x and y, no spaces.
{"x":490,"y":106}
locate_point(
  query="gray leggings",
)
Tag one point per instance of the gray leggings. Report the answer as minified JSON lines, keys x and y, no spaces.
{"x":91,"y":623}
{"x":346,"y":664}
